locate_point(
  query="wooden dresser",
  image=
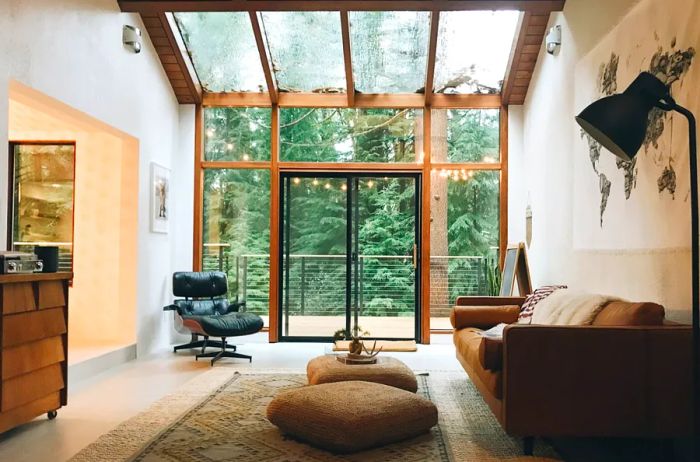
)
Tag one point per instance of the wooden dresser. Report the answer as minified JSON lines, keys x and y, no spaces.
{"x":33,"y":346}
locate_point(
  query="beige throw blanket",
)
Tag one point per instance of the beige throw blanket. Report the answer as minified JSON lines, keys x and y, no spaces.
{"x":568,"y":307}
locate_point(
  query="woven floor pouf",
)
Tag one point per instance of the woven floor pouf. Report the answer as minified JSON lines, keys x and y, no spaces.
{"x":345,"y":417}
{"x":388,"y":371}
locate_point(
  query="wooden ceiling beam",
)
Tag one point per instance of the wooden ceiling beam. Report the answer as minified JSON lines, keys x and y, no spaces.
{"x":523,"y":58}
{"x":432,"y":51}
{"x":347,"y":55}
{"x":162,"y":6}
{"x":362,"y":100}
{"x":265,"y":60}
{"x":173,"y":56}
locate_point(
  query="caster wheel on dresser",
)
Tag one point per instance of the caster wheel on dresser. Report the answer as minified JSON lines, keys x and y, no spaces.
{"x":51,"y":415}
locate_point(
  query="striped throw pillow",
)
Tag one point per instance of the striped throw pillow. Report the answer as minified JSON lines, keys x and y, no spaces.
{"x":533,"y":299}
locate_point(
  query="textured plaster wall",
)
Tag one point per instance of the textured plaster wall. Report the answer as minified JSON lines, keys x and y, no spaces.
{"x":545,"y":175}
{"x":71,"y":51}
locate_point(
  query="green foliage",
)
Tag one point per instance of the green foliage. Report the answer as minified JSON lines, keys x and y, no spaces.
{"x":237,"y":204}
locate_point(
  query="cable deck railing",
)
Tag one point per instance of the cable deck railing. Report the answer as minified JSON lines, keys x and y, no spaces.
{"x":315,"y":285}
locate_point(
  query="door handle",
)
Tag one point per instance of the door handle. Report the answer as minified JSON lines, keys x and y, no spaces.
{"x":415,"y":256}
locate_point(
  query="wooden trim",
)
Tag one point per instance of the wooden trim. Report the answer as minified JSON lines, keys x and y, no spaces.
{"x":347,"y":55}
{"x":503,"y":199}
{"x":432,"y":51}
{"x":273,"y":310}
{"x":183,"y":59}
{"x":467,"y":101}
{"x":363,"y":100}
{"x":467,"y":166}
{"x":313,"y":100}
{"x":260,"y":165}
{"x":236,"y":99}
{"x":388,"y":100}
{"x":514,"y":59}
{"x":425,"y":227}
{"x":349,"y":166}
{"x":264,"y":58}
{"x":155,"y":6}
{"x":198,"y":187}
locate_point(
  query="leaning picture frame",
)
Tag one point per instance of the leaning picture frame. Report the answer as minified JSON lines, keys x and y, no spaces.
{"x":160,"y":198}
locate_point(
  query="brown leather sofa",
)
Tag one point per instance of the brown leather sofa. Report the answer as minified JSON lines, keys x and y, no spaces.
{"x":628,"y":374}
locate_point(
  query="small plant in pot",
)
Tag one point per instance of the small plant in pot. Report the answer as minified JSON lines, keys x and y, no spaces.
{"x":357,"y":346}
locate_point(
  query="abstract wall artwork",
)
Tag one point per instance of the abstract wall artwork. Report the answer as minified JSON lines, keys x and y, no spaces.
{"x":613,"y":198}
{"x":160,"y":198}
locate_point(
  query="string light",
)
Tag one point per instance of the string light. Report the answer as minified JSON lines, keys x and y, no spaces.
{"x":344,"y":187}
{"x":327,"y":186}
{"x":229,"y":146}
{"x":246,"y":157}
{"x":296,"y":180}
{"x":210,"y":132}
{"x":315,"y":182}
{"x":370,"y":183}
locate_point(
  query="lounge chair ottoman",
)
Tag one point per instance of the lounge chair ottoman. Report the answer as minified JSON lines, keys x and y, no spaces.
{"x":346,"y":417}
{"x":388,"y":371}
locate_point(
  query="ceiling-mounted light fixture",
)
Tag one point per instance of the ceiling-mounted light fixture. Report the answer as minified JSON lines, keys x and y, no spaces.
{"x":553,"y":39}
{"x":131,"y":38}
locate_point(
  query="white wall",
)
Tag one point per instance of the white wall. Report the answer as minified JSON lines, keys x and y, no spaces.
{"x":547,"y":177}
{"x":72,"y":51}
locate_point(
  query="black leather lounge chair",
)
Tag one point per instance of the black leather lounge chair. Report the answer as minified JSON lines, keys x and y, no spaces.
{"x":206,"y":312}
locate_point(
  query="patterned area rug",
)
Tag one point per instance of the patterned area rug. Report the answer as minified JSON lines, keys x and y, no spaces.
{"x":220,"y":416}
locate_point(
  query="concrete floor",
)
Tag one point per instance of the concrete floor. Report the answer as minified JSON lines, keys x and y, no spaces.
{"x":98,"y":404}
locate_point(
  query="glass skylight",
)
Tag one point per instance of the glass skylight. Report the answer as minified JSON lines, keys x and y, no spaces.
{"x":389,"y":50}
{"x":473,"y":50}
{"x":307,"y":50}
{"x":223,"y":51}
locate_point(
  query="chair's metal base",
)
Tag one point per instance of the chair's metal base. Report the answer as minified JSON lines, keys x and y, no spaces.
{"x":196,"y":343}
{"x":223,"y":353}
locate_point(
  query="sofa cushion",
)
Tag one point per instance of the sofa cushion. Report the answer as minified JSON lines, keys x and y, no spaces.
{"x":468,"y":344}
{"x":483,"y":317}
{"x":491,"y":353}
{"x":621,"y":313}
{"x":351,"y":416}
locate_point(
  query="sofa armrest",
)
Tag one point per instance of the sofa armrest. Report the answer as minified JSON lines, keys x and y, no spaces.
{"x":483,"y":317}
{"x":597,"y":381}
{"x":489,"y":301}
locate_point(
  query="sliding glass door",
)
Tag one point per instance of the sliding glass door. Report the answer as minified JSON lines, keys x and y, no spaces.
{"x":349,"y":255}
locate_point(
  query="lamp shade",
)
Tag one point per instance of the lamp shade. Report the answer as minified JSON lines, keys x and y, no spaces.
{"x":619,"y":122}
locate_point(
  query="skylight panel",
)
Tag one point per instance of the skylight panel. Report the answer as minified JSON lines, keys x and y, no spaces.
{"x":307,"y":50}
{"x":223,"y":51}
{"x":473,"y":50}
{"x":389,"y":50}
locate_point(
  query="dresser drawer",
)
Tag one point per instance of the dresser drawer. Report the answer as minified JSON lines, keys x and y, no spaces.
{"x":17,"y":297}
{"x":32,"y":386}
{"x":32,"y":356}
{"x":32,"y":325}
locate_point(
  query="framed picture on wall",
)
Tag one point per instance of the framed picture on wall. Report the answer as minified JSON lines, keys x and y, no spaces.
{"x":160,"y":198}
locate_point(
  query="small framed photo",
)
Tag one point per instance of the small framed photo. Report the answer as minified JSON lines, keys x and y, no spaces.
{"x":160,"y":198}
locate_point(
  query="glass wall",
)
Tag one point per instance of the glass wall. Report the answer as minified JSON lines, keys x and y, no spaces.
{"x":42,"y":199}
{"x":236,"y":134}
{"x":466,"y":135}
{"x":464,"y":209}
{"x":349,"y":135}
{"x":236,"y":232}
{"x":464,"y":202}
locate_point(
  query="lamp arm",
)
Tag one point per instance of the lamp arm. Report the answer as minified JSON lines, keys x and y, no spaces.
{"x":695,"y":265}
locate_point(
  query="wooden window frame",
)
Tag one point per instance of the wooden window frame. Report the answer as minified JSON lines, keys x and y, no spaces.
{"x":275,"y":166}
